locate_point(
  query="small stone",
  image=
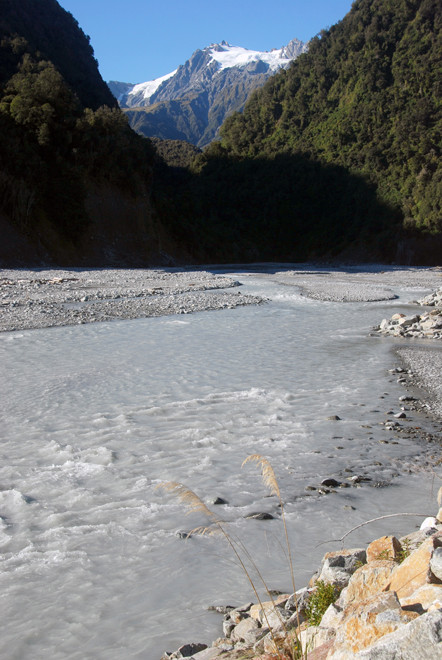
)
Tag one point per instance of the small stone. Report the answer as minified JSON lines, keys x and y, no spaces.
{"x":334,"y":418}
{"x":262,"y":515}
{"x":221,"y":609}
{"x":219,"y":500}
{"x":183,"y":535}
{"x":400,"y":415}
{"x":429,"y":523}
{"x":187,"y":650}
{"x":358,"y":478}
{"x":330,"y":482}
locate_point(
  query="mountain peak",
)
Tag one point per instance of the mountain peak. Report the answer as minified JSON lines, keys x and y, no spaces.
{"x":215,"y":80}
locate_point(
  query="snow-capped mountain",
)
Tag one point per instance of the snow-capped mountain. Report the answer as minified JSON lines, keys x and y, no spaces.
{"x":191,"y":102}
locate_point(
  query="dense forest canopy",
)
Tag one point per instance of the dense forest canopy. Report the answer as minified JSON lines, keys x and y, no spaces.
{"x":367,"y":96}
{"x":43,"y":27}
{"x":336,"y":157}
{"x":62,"y":131}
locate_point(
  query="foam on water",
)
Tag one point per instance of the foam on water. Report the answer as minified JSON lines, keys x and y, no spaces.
{"x":97,"y":416}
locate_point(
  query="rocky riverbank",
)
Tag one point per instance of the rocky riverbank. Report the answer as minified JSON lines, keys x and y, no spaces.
{"x":417,"y":326}
{"x":383,"y":601}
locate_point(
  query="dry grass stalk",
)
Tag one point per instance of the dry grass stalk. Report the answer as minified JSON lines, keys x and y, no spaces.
{"x":196,"y":505}
{"x":270,"y":480}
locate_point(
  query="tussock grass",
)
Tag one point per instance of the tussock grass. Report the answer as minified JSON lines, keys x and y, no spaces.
{"x":287,"y":646}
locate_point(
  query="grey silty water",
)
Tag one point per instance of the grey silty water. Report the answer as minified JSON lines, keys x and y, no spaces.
{"x":95,"y":417}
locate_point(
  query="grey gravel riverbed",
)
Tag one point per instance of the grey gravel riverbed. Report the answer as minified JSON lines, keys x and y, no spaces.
{"x":47,"y":298}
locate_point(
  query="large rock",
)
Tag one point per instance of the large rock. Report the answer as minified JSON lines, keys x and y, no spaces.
{"x":436,"y":563}
{"x":338,"y":566}
{"x":273,"y":617}
{"x":333,"y":616}
{"x":415,"y":570}
{"x":428,"y":324}
{"x":386,"y":547}
{"x":366,"y":621}
{"x":208,"y":654}
{"x":314,"y":636}
{"x":248,"y":631}
{"x":259,"y":610}
{"x":366,"y":581}
{"x":419,"y":640}
{"x":433,"y":299}
{"x":426,"y":597}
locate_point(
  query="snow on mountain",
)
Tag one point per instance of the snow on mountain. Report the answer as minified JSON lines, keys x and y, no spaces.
{"x":146,"y":89}
{"x":236,"y":56}
{"x":192,"y":102}
{"x":209,"y":62}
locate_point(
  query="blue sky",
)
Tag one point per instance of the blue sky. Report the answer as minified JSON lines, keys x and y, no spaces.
{"x":139,"y":40}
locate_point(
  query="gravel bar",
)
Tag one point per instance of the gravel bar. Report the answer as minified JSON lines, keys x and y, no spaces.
{"x":32,"y":299}
{"x":425,"y":365}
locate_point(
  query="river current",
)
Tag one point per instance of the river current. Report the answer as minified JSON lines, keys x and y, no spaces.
{"x":95,"y":416}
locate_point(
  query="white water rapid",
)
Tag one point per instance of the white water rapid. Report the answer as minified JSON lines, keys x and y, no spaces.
{"x":94,"y":417}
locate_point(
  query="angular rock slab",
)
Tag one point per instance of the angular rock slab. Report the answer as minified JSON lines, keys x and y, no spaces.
{"x":426,"y":597}
{"x":365,"y":622}
{"x":366,"y":582}
{"x":415,"y":570}
{"x":337,"y":567}
{"x":386,"y":547}
{"x":419,"y":640}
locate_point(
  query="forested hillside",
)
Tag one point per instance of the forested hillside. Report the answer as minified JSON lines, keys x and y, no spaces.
{"x":75,"y":180}
{"x":365,"y":98}
{"x":337,"y":157}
